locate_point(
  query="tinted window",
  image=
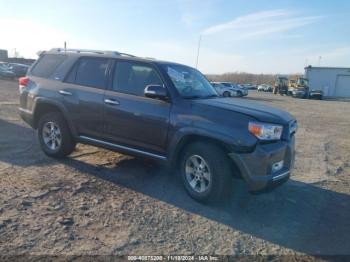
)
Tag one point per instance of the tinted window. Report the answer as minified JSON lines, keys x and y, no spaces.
{"x":132,"y":78}
{"x":47,"y":65}
{"x":90,"y":72}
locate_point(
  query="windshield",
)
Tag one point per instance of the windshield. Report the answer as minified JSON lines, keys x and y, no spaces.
{"x":303,"y":82}
{"x":218,"y":86}
{"x":190,"y":82}
{"x":3,"y":67}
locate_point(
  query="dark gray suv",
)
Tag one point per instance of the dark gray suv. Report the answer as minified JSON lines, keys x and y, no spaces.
{"x":159,"y":110}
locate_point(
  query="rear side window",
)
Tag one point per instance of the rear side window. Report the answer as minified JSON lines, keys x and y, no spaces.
{"x":132,"y":78}
{"x":47,"y":65}
{"x":89,"y":72}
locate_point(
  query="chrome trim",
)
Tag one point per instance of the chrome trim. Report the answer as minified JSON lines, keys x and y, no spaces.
{"x":65,"y":93}
{"x":123,"y":147}
{"x":25,"y":110}
{"x":280,"y":176}
{"x":111,"y":102}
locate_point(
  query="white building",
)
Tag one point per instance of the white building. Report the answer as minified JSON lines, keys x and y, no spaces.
{"x":333,"y":81}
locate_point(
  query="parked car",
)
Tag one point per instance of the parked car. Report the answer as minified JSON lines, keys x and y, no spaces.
{"x":6,"y":73}
{"x":223,"y":90}
{"x":265,"y":88}
{"x":316,"y":93}
{"x":250,"y":86}
{"x":159,"y":110}
{"x":241,"y":91}
{"x":302,"y":90}
{"x":18,"y":69}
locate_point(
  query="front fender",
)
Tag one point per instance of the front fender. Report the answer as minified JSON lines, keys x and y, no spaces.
{"x":182,"y":135}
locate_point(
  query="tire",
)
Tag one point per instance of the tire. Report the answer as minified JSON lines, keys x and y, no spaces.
{"x":217,"y":181}
{"x":64,"y":143}
{"x":226,"y":94}
{"x":239,"y":93}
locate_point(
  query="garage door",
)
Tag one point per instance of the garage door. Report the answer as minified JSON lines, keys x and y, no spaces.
{"x":342,"y":88}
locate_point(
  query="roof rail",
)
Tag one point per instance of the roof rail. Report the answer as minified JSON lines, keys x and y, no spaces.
{"x":100,"y":52}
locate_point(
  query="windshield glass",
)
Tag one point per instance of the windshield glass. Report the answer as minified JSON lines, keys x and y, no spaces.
{"x":302,"y":81}
{"x":190,"y":82}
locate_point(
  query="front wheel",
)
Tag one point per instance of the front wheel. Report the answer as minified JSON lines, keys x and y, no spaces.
{"x":205,"y":172}
{"x":54,"y":135}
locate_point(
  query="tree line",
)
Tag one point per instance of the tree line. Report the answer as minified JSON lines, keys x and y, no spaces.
{"x":247,"y":78}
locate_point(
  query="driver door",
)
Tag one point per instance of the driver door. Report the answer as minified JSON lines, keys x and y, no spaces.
{"x":132,"y":119}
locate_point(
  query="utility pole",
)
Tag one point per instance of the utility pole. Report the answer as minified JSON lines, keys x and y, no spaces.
{"x":319,"y":60}
{"x":65,"y":46}
{"x":199,"y":46}
{"x":15,"y":54}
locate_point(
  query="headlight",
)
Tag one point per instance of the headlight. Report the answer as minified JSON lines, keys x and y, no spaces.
{"x":265,"y":131}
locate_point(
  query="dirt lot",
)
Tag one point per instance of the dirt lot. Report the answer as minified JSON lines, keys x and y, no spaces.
{"x":100,"y":202}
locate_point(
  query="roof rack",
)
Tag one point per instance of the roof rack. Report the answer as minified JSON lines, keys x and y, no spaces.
{"x":100,"y":52}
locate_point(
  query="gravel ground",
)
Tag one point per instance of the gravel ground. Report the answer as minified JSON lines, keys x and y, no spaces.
{"x":101,"y":202}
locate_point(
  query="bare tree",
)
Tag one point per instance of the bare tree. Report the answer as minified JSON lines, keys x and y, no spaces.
{"x":246,"y":78}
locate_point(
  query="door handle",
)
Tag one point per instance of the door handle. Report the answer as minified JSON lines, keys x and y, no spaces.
{"x":65,"y":93}
{"x":111,"y":102}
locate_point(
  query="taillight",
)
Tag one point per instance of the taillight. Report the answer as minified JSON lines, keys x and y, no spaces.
{"x":23,"y":82}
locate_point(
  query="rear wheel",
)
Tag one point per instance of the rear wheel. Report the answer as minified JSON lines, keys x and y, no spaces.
{"x":54,"y":135}
{"x":205,"y":172}
{"x":226,"y":94}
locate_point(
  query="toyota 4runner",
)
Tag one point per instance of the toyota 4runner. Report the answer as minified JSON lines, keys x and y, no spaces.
{"x":159,"y":110}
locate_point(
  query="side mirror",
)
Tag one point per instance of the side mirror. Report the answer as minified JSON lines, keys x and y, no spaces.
{"x":155,"y":91}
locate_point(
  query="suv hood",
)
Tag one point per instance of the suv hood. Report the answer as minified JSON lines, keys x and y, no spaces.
{"x":256,"y":110}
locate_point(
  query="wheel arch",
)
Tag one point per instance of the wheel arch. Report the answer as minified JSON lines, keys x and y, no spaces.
{"x":44,"y":106}
{"x":188,"y":139}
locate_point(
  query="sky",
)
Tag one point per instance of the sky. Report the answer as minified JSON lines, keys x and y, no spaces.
{"x":236,"y":36}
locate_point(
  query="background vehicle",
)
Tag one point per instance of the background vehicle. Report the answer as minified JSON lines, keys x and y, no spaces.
{"x":250,"y":86}
{"x":265,"y":88}
{"x":223,"y":90}
{"x":18,"y":69}
{"x":301,"y":88}
{"x":281,"y":85}
{"x":291,"y":85}
{"x":318,"y":94}
{"x":159,"y":110}
{"x":241,"y":91}
{"x":6,"y":73}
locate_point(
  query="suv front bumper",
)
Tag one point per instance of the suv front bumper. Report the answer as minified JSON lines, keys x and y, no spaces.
{"x":257,"y":169}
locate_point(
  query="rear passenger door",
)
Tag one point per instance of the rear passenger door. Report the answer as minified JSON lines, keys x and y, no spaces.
{"x":83,"y":92}
{"x":131,"y":118}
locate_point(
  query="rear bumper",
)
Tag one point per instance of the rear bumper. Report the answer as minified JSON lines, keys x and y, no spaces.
{"x":26,"y":115}
{"x":315,"y":94}
{"x":299,"y":94}
{"x":256,"y":168}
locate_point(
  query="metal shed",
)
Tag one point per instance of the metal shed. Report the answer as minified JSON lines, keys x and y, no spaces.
{"x":333,"y":81}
